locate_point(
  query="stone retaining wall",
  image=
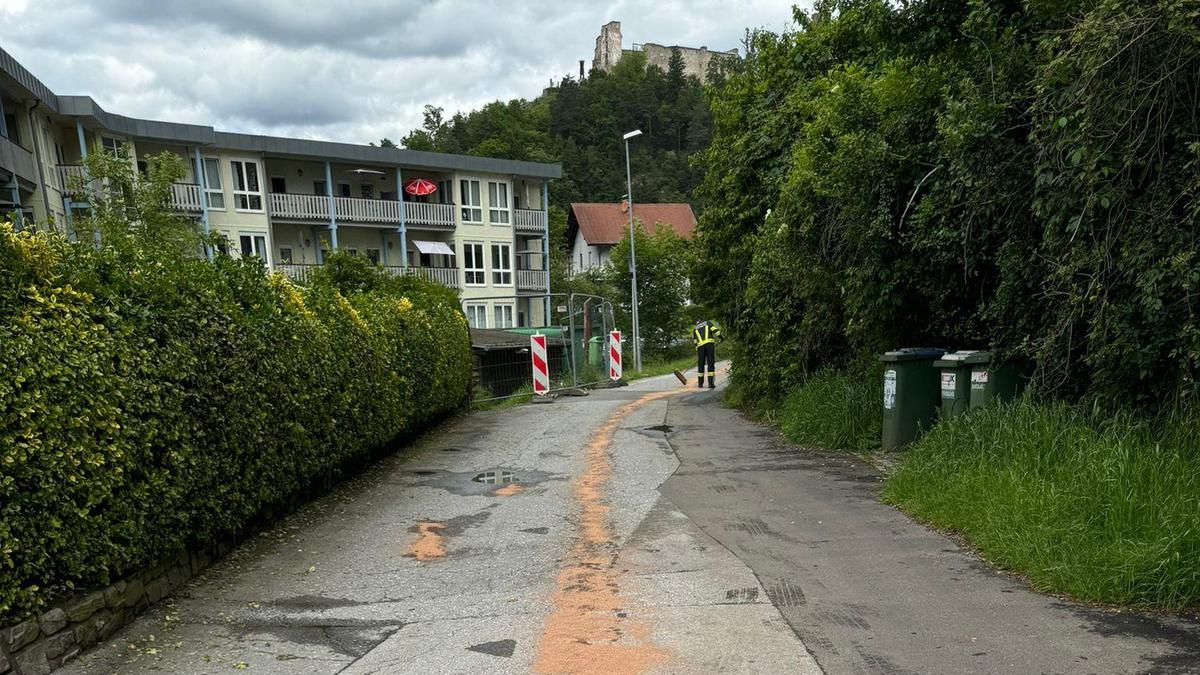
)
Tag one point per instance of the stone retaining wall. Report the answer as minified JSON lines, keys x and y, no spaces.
{"x":39,"y":645}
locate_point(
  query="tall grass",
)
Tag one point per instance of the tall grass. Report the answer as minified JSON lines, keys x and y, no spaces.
{"x":1100,"y":507}
{"x":837,"y":409}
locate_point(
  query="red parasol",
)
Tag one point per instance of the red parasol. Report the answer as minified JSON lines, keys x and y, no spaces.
{"x":420,"y":187}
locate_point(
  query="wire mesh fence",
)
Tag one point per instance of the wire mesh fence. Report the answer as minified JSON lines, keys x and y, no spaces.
{"x":576,"y":327}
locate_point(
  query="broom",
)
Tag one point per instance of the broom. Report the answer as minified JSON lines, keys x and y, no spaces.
{"x":680,"y":377}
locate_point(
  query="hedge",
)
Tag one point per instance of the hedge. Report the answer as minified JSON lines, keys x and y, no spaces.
{"x":151,"y":401}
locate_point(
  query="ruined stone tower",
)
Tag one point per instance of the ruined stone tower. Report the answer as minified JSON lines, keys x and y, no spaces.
{"x":609,"y":51}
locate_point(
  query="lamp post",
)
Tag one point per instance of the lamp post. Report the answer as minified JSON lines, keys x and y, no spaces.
{"x":637,"y":335}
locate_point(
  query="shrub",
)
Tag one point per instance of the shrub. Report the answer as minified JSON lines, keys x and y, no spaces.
{"x":1098,"y":506}
{"x":838,"y":409}
{"x":153,"y":401}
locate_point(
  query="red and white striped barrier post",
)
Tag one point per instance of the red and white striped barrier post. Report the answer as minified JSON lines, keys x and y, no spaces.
{"x":614,"y":355}
{"x":541,"y":369}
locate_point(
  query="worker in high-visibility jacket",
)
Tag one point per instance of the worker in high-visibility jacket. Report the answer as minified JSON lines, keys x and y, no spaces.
{"x":705,"y":338}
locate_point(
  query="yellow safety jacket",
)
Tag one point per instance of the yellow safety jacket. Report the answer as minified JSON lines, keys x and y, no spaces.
{"x":706,"y":335}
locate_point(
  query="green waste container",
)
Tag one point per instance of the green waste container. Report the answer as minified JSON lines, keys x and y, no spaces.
{"x":992,"y":381}
{"x":955,"y":376}
{"x":910,"y":394}
{"x":596,"y":352}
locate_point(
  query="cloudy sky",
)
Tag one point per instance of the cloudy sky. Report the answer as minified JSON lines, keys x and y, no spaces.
{"x":344,"y":70}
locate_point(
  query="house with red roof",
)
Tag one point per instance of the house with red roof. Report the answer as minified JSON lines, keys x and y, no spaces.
{"x":593,"y":229}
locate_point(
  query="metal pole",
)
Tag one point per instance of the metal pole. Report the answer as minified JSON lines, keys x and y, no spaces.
{"x":637,"y":337}
{"x":571,"y":339}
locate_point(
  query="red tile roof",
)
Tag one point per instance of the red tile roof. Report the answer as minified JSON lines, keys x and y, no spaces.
{"x":606,"y":224}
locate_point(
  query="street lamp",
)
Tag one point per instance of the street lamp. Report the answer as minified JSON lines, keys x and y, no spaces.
{"x":637,"y":336}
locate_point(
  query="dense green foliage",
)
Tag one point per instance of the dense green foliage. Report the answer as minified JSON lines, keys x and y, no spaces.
{"x":663,"y":258}
{"x":1100,"y":507}
{"x":1020,"y":175}
{"x":580,"y":125}
{"x":153,"y":399}
{"x":834,"y":408}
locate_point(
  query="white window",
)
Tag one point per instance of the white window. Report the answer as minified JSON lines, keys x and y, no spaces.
{"x":373,"y":255}
{"x":472,"y":204}
{"x":477,"y":316}
{"x":212,"y":184}
{"x":503,"y":315}
{"x":473,"y":264}
{"x":498,"y":202}
{"x":285,"y":255}
{"x":255,"y":245}
{"x":247,"y":192}
{"x":111,"y":145}
{"x":502,"y":264}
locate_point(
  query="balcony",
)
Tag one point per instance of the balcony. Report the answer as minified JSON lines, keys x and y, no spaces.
{"x":185,"y":196}
{"x":72,"y":179}
{"x":531,"y":280}
{"x":529,"y":221}
{"x":288,"y":206}
{"x":446,"y":276}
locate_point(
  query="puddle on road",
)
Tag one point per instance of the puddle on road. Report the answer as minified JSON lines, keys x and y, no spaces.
{"x":664,"y":428}
{"x":501,"y":477}
{"x":424,"y":472}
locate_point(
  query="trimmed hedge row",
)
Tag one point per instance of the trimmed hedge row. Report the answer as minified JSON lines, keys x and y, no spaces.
{"x":150,"y":401}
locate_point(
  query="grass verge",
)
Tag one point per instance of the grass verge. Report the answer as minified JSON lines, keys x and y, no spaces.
{"x":1098,"y":507}
{"x":835,"y":409}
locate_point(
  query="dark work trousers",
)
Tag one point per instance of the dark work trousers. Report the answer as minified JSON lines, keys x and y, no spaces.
{"x":706,"y":362}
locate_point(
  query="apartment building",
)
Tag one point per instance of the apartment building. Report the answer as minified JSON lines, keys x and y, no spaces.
{"x":482,"y":230}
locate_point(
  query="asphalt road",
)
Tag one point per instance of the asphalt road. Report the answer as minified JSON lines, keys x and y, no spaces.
{"x":645,"y":529}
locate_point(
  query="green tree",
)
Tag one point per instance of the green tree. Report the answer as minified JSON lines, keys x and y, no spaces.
{"x":663,"y":258}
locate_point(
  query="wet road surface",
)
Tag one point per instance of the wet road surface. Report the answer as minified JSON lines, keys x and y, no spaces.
{"x":645,"y":529}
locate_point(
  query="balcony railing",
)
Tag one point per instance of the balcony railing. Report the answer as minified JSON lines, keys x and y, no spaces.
{"x":526,"y":220}
{"x":302,"y":273}
{"x":70,"y":177}
{"x":185,"y":196}
{"x":531,"y":280}
{"x":356,"y":210}
{"x":300,"y":207}
{"x":439,"y":216}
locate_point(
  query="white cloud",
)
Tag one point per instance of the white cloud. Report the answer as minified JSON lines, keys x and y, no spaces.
{"x":350,"y":72}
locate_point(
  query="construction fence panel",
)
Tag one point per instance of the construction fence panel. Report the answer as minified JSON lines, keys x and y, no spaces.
{"x":576,"y":329}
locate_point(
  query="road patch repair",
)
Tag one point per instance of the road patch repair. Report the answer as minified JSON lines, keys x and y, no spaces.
{"x":646,"y":529}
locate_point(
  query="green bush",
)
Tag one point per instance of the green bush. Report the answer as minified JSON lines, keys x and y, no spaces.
{"x":839,"y":409}
{"x":151,"y":400}
{"x":1098,"y":506}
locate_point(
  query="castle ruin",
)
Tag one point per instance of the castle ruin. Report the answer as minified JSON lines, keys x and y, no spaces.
{"x":609,"y":51}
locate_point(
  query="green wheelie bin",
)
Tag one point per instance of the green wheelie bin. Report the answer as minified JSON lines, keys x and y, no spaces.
{"x":955,"y":375}
{"x":991,"y":380}
{"x":910,"y":394}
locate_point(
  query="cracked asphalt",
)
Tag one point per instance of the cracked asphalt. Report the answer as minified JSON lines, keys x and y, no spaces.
{"x":647,"y":529}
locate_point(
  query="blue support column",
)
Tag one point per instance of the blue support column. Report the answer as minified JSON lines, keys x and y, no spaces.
{"x":546,"y":248}
{"x":332,"y":210}
{"x":403,"y":218}
{"x":202,"y":181}
{"x":82,"y":140}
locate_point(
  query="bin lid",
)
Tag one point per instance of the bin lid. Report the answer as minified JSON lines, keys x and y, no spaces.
{"x":912,"y":354}
{"x":978,"y":357}
{"x":953,"y":359}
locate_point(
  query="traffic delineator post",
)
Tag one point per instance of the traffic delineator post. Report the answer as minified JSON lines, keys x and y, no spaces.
{"x":541,"y":368}
{"x":614,"y":355}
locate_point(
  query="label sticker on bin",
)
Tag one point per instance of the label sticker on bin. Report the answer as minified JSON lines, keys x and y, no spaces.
{"x":889,"y":390}
{"x":949,"y":380}
{"x":979,"y":380}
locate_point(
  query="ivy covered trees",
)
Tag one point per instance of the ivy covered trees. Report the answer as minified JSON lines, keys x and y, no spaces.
{"x":1017,"y":175}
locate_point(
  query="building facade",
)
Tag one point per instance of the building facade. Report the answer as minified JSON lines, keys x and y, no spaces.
{"x":483,"y":231}
{"x":696,"y":60}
